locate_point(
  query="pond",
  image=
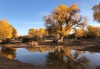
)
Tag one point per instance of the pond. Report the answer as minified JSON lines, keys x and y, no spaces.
{"x":54,"y":57}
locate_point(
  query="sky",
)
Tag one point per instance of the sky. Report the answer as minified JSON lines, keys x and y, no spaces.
{"x":26,"y":14}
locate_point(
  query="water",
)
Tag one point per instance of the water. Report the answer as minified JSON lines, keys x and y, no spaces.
{"x":54,"y":57}
{"x":35,"y":58}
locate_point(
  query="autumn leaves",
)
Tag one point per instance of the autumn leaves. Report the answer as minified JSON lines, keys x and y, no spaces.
{"x":61,"y":21}
{"x":6,"y":30}
{"x":96,"y":10}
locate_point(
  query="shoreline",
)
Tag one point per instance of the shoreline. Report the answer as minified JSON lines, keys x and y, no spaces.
{"x":75,"y":45}
{"x":6,"y":63}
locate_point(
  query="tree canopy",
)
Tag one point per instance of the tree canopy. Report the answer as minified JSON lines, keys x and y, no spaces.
{"x":63,"y":19}
{"x":79,"y":33}
{"x":37,"y":32}
{"x":6,"y":30}
{"x":96,"y":11}
{"x":94,"y":31}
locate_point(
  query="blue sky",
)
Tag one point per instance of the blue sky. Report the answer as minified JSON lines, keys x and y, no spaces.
{"x":26,"y":14}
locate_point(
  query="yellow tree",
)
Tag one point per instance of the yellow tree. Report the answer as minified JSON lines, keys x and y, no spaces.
{"x":14,"y":32}
{"x":97,"y":31}
{"x":33,"y":32}
{"x":91,"y":30}
{"x":79,"y":33}
{"x":63,"y":18}
{"x":42,"y":32}
{"x":94,"y":31}
{"x":96,"y":11}
{"x":5,"y":30}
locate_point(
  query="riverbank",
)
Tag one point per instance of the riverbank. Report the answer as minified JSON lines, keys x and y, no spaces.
{"x":84,"y":45}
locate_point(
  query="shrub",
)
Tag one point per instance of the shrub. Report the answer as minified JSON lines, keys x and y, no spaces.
{"x":6,"y":41}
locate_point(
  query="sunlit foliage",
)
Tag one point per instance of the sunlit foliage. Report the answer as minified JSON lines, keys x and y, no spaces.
{"x":94,"y":31}
{"x":33,"y":32}
{"x":42,"y":32}
{"x":6,"y":30}
{"x":37,"y":33}
{"x":96,"y":11}
{"x":14,"y":33}
{"x":63,"y":19}
{"x":79,"y":33}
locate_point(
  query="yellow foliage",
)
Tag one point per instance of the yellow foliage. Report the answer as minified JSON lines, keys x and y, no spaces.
{"x":96,"y":12}
{"x":62,"y":11}
{"x":74,"y":7}
{"x":65,"y":30}
{"x":95,"y":31}
{"x":41,"y":32}
{"x":33,"y":32}
{"x":5,"y":30}
{"x":63,"y":19}
{"x":79,"y":32}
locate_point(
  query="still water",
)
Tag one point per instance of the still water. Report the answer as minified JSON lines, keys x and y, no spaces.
{"x":52,"y":57}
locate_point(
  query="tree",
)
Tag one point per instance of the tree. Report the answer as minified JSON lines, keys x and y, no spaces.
{"x":37,"y":33}
{"x":63,"y":19}
{"x":96,"y":11}
{"x":94,"y":31}
{"x":42,"y":32}
{"x":6,"y":30}
{"x":79,"y":33}
{"x":33,"y":33}
{"x":14,"y":33}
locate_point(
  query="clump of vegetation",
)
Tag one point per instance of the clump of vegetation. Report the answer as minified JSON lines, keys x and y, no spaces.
{"x":63,"y":19}
{"x":59,"y":24}
{"x":25,"y":39}
{"x":39,"y":34}
{"x":7,"y":31}
{"x":6,"y":41}
{"x":96,"y":11}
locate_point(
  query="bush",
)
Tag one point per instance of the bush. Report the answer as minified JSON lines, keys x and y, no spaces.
{"x":25,"y":39}
{"x":6,"y":41}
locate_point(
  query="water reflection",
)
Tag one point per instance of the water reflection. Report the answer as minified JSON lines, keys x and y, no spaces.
{"x":40,"y":49}
{"x":68,"y":59}
{"x":32,"y":49}
{"x":8,"y":52}
{"x":55,"y":57}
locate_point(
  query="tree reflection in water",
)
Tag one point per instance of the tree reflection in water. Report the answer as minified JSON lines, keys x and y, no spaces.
{"x":65,"y":59}
{"x":33,"y":49}
{"x":57,"y":57}
{"x":8,"y":52}
{"x":40,"y":49}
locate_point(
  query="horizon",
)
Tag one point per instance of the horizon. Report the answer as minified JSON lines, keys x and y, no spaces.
{"x":29,"y":14}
